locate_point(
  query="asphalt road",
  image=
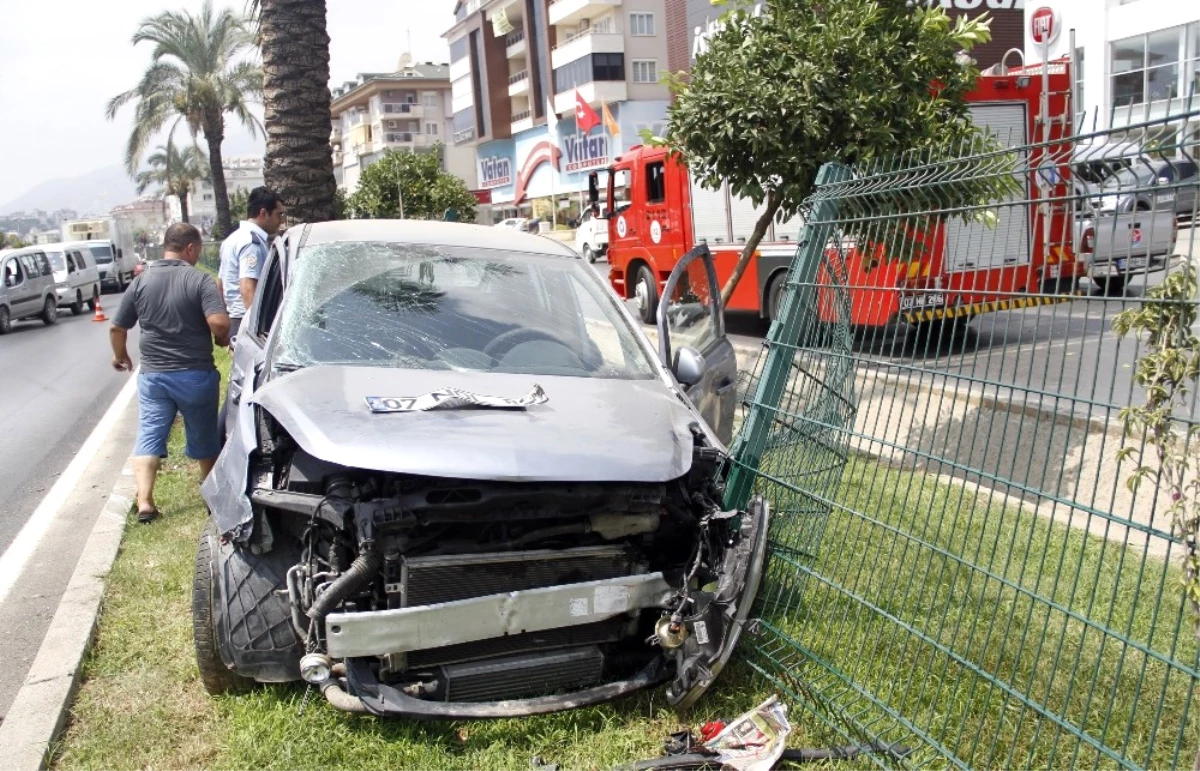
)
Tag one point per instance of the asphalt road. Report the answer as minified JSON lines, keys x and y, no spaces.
{"x":55,"y":384}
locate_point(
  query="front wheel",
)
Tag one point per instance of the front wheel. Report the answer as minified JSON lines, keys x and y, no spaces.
{"x":645,"y":291}
{"x":5,"y":321}
{"x":588,"y":253}
{"x":775,"y":296}
{"x":77,"y":306}
{"x":216,"y":677}
{"x":50,"y":311}
{"x":95,"y":298}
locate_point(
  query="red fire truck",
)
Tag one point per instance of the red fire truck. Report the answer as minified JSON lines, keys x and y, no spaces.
{"x":959,"y":270}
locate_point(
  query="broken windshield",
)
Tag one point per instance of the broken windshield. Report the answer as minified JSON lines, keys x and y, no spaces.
{"x":432,"y":307}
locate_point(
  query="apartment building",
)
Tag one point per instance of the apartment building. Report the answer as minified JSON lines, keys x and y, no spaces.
{"x":512,"y":62}
{"x":1137,"y":61}
{"x":409,"y":109}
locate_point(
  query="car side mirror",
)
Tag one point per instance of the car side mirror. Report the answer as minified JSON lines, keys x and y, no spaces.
{"x":596,"y":211}
{"x":593,"y":189}
{"x":1162,"y":181}
{"x":688,"y":366}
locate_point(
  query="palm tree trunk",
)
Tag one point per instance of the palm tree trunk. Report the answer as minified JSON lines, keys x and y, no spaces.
{"x":214,"y":135}
{"x":295,"y":62}
{"x":183,"y":204}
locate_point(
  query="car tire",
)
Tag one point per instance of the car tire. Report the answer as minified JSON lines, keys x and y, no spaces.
{"x":77,"y":306}
{"x":95,"y":298}
{"x":216,"y":677}
{"x":645,"y":291}
{"x":5,"y":321}
{"x":50,"y":311}
{"x":775,"y":296}
{"x":588,"y":253}
{"x":1110,"y":286}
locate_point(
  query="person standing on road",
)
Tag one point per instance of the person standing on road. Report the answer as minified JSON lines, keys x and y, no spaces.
{"x":244,"y":253}
{"x":181,"y":313}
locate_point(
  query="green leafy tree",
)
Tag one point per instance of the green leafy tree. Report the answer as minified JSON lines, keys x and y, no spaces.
{"x":804,"y":83}
{"x":197,"y":74}
{"x":175,"y":172}
{"x":428,"y":190}
{"x":1165,"y":446}
{"x":239,"y":203}
{"x":295,"y":55}
{"x":13,"y":241}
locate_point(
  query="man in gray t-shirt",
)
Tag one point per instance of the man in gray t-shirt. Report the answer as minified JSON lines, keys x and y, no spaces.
{"x":181,"y":313}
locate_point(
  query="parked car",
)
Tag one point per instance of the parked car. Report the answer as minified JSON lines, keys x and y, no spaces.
{"x":1162,"y":185}
{"x":458,"y":482}
{"x":591,"y":235}
{"x":516,"y":223}
{"x":75,"y":276}
{"x":115,"y":266}
{"x":27,"y":290}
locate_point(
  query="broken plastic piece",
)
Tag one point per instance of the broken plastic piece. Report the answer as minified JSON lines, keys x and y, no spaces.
{"x":454,"y":399}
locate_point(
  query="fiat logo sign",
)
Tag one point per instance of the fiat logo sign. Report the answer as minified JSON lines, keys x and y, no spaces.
{"x":1043,"y":26}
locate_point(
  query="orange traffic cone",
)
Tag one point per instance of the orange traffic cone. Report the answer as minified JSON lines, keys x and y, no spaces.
{"x":99,"y":312}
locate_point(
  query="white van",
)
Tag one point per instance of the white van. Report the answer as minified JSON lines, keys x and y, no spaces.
{"x":76,"y":278}
{"x":116,"y":269}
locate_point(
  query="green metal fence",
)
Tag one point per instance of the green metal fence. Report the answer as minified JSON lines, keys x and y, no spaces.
{"x":957,"y":565}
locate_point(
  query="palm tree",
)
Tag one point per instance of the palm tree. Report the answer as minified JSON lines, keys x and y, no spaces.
{"x":174,"y":172}
{"x":295,"y":55}
{"x":196,"y":75}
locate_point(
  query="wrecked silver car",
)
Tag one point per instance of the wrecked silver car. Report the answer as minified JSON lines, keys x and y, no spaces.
{"x":458,"y":482}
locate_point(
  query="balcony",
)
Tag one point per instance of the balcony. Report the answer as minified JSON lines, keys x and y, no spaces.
{"x":518,"y":83}
{"x":409,"y":109}
{"x":571,"y":11}
{"x":514,"y":44}
{"x":603,"y":39}
{"x":593,"y":93}
{"x":522,"y":121}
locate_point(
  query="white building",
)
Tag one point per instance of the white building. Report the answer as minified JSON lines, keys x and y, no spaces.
{"x":1139,"y":59}
{"x":241,"y":173}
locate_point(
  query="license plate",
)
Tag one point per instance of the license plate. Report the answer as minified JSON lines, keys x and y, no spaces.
{"x":918,"y":301}
{"x":1133,"y":263}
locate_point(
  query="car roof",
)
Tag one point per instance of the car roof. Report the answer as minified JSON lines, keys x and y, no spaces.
{"x":434,"y":232}
{"x":22,"y":250}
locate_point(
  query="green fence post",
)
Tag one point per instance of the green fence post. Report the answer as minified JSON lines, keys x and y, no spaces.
{"x":784,"y":336}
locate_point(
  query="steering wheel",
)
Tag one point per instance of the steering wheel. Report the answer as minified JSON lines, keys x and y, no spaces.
{"x":506,"y":341}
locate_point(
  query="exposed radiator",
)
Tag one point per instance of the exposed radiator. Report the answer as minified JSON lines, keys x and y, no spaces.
{"x":531,"y":674}
{"x":610,"y":630}
{"x":445,"y":578}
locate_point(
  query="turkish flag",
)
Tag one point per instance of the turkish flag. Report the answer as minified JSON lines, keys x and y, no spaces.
{"x":585,"y":117}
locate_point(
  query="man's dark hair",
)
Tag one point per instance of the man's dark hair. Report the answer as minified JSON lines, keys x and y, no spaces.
{"x":179,"y":237}
{"x":261,"y":198}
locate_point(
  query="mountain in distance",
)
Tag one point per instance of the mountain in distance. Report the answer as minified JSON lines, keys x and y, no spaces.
{"x":93,"y":193}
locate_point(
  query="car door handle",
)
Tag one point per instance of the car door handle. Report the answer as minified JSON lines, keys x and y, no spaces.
{"x":725,"y":385}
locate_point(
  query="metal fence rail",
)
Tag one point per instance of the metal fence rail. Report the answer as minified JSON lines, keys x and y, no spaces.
{"x":957,"y":564}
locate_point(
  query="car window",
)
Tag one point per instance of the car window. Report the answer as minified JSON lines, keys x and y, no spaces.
{"x":29,"y":262}
{"x":428,"y":307}
{"x":12,"y":272}
{"x":56,"y":260}
{"x":44,"y":264}
{"x":80,"y":260}
{"x":70,"y":263}
{"x":102,"y":253}
{"x":691,"y":315}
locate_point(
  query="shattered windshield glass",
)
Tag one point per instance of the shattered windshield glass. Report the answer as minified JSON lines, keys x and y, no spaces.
{"x":431,"y":307}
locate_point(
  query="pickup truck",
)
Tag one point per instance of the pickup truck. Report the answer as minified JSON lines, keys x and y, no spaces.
{"x":1118,"y":244}
{"x":591,"y":237}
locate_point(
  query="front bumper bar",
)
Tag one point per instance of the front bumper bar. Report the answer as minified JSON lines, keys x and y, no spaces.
{"x":367,"y":694}
{"x":377,"y":633}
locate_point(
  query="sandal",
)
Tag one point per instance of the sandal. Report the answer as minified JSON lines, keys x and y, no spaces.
{"x":146,"y":517}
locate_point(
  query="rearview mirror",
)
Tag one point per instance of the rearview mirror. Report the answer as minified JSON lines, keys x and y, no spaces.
{"x":593,"y":189}
{"x":688,"y":366}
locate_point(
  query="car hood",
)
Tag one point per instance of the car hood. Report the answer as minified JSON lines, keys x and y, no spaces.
{"x":589,"y":430}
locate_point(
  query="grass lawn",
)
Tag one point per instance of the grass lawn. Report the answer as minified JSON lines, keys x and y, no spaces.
{"x":956,"y":568}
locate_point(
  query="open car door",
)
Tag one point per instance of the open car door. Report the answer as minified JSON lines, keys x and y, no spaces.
{"x":692,"y":341}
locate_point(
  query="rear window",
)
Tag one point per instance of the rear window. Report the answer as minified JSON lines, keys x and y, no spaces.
{"x":103,"y":254}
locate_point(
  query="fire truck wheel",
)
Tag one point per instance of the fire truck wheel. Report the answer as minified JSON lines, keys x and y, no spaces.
{"x":775,"y":296}
{"x":939,"y":332}
{"x":1110,"y":286}
{"x":645,"y":291}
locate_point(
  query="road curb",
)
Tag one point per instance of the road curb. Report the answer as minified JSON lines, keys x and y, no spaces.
{"x":40,"y":709}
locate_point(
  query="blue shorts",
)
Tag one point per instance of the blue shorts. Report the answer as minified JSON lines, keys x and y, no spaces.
{"x":195,"y":393}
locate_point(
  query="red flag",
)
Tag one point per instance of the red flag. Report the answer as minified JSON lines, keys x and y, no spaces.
{"x":585,"y":117}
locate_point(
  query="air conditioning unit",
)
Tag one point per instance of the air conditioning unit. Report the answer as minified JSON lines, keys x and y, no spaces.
{"x":391,"y":124}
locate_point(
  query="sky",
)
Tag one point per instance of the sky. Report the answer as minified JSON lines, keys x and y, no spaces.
{"x":63,"y":60}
